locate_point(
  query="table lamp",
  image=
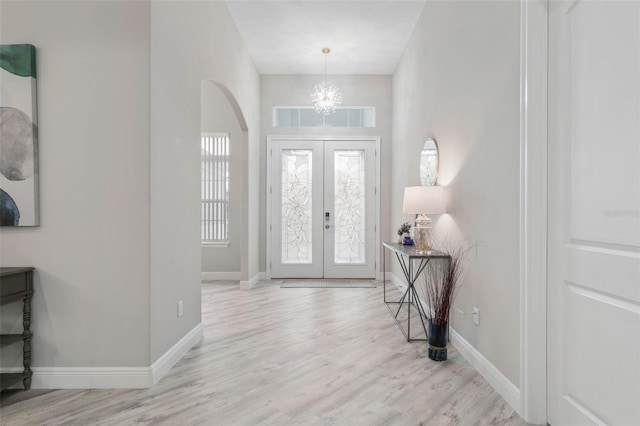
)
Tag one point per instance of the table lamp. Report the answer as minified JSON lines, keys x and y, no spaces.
{"x":423,"y":200}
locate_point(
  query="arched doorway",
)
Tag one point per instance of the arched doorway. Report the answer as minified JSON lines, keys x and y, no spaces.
{"x":221,"y":114}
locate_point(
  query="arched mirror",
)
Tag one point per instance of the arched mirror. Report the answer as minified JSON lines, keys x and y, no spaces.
{"x":429,"y":163}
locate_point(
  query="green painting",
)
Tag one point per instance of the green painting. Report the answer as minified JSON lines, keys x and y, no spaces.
{"x":18,"y":136}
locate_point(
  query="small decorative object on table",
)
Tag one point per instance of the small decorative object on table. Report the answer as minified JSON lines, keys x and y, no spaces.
{"x":440,"y":284}
{"x":423,"y":200}
{"x":405,"y":228}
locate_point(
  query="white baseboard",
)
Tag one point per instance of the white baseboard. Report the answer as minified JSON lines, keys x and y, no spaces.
{"x":253,"y":281}
{"x":170,"y":358}
{"x":496,"y":379}
{"x":231,"y":276}
{"x":91,"y":377}
{"x":111,"y":377}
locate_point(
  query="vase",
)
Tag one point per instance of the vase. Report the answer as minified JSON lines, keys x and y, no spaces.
{"x":438,"y":337}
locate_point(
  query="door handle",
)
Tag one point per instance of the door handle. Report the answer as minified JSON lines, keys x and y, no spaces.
{"x":327,"y":226}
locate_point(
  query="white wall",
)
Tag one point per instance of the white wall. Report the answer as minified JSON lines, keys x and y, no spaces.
{"x":119,"y":243}
{"x":191,"y":42}
{"x":458,"y":81}
{"x":356,"y":90}
{"x":217,"y":116}
{"x":91,"y":251}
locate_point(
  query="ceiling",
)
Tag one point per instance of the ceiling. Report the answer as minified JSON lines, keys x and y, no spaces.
{"x":287,"y":37}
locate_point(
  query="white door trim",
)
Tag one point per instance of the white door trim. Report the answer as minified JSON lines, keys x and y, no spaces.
{"x":533,"y":210}
{"x":373,"y":139}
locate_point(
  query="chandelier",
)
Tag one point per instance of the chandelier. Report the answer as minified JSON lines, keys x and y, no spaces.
{"x":325,"y":97}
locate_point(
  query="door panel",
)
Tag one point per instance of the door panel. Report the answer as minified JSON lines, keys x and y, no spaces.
{"x":594,"y":203}
{"x":297,"y":191}
{"x":350,"y":201}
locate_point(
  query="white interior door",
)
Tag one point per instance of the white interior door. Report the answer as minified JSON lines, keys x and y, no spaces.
{"x":594,"y":223}
{"x":322,"y":197}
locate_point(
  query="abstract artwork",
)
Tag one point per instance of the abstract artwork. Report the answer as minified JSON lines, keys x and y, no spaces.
{"x":18,"y":136}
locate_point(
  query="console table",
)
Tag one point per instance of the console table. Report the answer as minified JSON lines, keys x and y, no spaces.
{"x":413,"y":264}
{"x":16,"y":284}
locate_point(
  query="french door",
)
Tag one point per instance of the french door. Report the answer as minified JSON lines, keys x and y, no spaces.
{"x":322,"y":199}
{"x":594,"y":225}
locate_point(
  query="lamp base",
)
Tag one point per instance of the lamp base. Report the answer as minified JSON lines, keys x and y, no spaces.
{"x":422,"y":234}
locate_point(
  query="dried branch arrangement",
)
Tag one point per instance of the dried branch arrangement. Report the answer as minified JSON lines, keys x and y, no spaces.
{"x":440,"y":283}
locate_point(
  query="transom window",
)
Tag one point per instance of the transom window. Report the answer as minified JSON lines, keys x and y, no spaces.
{"x":305,"y":116}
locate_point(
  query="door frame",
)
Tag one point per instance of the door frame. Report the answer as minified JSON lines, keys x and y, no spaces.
{"x":534,"y":34}
{"x":371,"y":139}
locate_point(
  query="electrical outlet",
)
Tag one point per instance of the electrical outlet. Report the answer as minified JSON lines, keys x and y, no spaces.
{"x":180,"y":308}
{"x":476,"y":316}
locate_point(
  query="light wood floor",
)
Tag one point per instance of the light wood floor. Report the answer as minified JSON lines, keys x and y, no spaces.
{"x":292,"y":356}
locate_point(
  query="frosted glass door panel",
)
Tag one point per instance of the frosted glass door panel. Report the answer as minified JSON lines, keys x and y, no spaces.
{"x":297,"y":204}
{"x":349,"y":206}
{"x":295,"y":198}
{"x":349,"y":167}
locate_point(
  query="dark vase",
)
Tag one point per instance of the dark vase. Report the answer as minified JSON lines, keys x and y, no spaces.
{"x":438,"y":337}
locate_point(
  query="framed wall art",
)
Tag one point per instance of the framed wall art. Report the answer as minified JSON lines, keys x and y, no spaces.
{"x":18,"y":136}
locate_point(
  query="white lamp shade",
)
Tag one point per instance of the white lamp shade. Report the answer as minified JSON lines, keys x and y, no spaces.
{"x":423,"y":200}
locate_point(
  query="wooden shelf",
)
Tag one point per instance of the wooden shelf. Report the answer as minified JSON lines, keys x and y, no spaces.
{"x":9,"y":379}
{"x":7,"y":339}
{"x":16,"y":285}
